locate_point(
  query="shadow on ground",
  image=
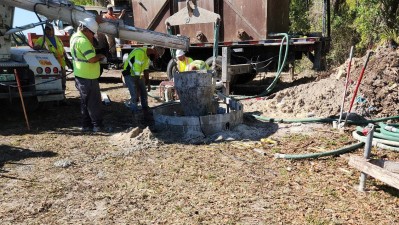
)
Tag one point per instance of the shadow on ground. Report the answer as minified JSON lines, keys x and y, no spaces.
{"x":10,"y":154}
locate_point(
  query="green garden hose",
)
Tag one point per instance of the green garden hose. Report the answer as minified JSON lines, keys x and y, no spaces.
{"x":280,"y":67}
{"x":378,"y":142}
{"x":339,"y":151}
{"x":320,"y":120}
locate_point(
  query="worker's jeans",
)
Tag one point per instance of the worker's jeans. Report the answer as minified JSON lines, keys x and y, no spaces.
{"x":135,"y":86}
{"x":90,"y":102}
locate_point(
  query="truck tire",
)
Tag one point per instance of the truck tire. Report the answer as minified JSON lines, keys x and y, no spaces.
{"x":171,"y":69}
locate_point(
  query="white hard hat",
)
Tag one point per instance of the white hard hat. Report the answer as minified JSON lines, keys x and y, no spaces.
{"x":179,"y":53}
{"x":90,"y":23}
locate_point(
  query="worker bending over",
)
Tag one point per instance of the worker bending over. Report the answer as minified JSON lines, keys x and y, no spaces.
{"x":182,"y":61}
{"x":136,"y":74}
{"x":197,"y":65}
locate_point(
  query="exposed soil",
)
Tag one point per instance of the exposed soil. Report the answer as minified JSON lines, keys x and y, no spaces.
{"x":55,"y":174}
{"x":377,"y":94}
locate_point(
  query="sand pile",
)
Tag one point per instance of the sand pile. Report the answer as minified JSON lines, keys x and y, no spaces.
{"x":377,"y":95}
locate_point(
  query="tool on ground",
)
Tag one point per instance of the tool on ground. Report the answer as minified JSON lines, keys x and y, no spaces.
{"x":357,"y":86}
{"x":346,"y":85}
{"x":22,"y":98}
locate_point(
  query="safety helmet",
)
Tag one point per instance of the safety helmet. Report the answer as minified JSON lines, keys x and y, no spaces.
{"x":110,"y":7}
{"x":179,"y":53}
{"x":90,"y":23}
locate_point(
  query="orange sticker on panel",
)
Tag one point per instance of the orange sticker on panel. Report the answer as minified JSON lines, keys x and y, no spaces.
{"x":44,"y":61}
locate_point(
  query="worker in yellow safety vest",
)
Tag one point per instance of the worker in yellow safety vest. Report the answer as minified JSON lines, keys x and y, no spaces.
{"x":182,"y":61}
{"x":53,"y":44}
{"x":136,"y":75}
{"x":197,"y":65}
{"x":86,"y":68}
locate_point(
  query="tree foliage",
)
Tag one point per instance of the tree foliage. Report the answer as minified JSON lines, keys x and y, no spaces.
{"x":363,"y":23}
{"x":90,"y":2}
{"x":299,"y":21}
{"x":82,"y":2}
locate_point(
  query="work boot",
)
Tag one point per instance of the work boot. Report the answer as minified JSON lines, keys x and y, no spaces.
{"x":86,"y":129}
{"x":148,"y":116}
{"x":103,"y":129}
{"x":147,"y":113}
{"x":138,"y":120}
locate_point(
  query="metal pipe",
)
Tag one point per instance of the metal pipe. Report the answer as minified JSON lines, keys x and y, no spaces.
{"x":22,"y":28}
{"x":366,"y":154}
{"x":72,"y":14}
{"x":346,"y":86}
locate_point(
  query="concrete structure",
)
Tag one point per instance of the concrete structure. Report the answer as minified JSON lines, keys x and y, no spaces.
{"x":170,"y":117}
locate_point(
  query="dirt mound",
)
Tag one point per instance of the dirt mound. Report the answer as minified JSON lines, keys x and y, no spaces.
{"x":134,"y":139}
{"x":377,"y":95}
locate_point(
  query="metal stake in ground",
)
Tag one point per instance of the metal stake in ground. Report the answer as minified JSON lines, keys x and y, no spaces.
{"x":357,"y":86}
{"x":346,"y":86}
{"x":367,"y":152}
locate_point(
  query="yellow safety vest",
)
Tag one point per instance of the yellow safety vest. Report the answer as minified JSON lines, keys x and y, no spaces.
{"x":199,"y":64}
{"x":183,"y":65}
{"x":141,"y":61}
{"x":58,"y":52}
{"x":82,"y":50}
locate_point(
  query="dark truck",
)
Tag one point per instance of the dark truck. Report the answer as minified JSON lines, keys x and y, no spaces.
{"x":247,"y":28}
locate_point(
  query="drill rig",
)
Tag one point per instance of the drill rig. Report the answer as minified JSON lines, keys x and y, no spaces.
{"x":38,"y":73}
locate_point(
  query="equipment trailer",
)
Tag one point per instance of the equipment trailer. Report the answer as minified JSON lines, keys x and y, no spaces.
{"x":246,"y":27}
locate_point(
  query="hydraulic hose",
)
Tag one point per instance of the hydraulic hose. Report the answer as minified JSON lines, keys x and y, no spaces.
{"x":339,"y":151}
{"x":280,"y":67}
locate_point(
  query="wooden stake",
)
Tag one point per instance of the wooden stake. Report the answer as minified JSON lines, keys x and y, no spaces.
{"x":22,"y":98}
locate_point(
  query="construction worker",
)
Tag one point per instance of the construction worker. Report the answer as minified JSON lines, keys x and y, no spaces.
{"x":182,"y":61}
{"x":86,"y":68}
{"x":53,"y":44}
{"x":136,"y":74}
{"x":110,"y":38}
{"x":197,"y":65}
